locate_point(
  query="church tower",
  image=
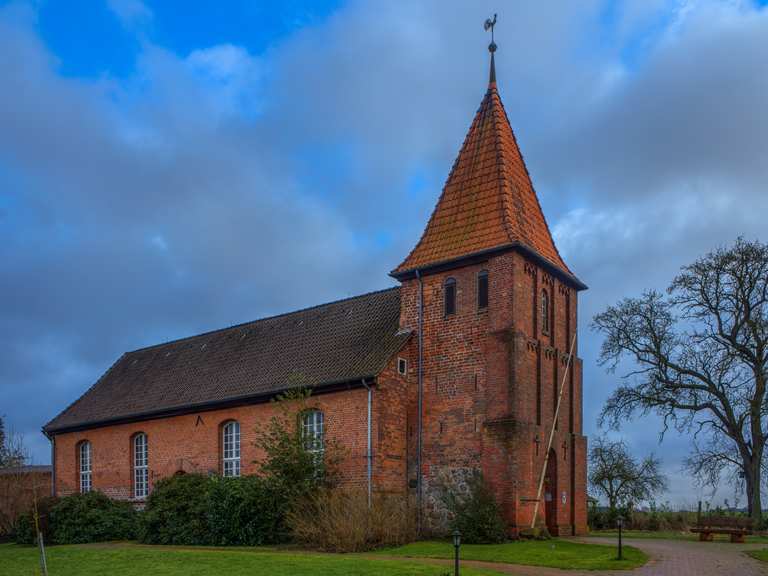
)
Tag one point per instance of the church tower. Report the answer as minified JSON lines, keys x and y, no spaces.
{"x":493,"y":305}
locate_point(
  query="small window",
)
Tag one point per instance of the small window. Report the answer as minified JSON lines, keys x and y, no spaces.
{"x":402,"y":366}
{"x":313,"y":431}
{"x":140,"y":466}
{"x":482,"y":290}
{"x":545,"y":312}
{"x":450,"y":297}
{"x":231,"y":449}
{"x":85,"y":467}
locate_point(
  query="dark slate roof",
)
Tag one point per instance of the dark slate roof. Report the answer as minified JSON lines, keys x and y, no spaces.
{"x":340,"y":342}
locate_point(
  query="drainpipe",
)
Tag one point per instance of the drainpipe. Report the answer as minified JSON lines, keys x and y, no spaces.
{"x":369,"y":455}
{"x":420,"y":404}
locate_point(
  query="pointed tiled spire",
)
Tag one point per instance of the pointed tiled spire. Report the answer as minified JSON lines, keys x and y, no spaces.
{"x":488,"y":201}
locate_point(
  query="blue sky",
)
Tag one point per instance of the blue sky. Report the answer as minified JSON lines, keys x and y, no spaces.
{"x":169,"y":167}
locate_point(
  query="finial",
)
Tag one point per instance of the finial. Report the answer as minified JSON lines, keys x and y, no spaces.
{"x":489,"y":25}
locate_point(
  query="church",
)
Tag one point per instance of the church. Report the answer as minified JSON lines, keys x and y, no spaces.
{"x":470,"y":363}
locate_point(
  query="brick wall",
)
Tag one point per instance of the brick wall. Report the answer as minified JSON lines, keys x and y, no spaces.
{"x":491,"y":379}
{"x":191,"y":443}
{"x":18,"y":488}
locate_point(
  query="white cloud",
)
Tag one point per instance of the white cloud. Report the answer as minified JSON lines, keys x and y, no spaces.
{"x":218,"y":186}
{"x":131,"y":13}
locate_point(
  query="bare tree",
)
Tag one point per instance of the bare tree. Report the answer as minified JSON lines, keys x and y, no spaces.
{"x":12,"y":451}
{"x":623,"y":481}
{"x":700,"y":354}
{"x":15,"y":495}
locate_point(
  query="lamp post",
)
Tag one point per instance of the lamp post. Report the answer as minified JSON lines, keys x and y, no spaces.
{"x":456,"y":545}
{"x":620,"y":524}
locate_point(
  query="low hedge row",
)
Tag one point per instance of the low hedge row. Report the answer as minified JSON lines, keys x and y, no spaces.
{"x":191,"y":509}
{"x":80,"y":518}
{"x":199,"y":510}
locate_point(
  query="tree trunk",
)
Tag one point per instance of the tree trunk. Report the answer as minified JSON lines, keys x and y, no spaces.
{"x":753,"y":479}
{"x":754,"y":501}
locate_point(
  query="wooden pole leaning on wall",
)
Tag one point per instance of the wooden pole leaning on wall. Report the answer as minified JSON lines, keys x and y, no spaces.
{"x":552,"y":434}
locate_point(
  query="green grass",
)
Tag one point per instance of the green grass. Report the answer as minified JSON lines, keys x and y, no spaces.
{"x":550,"y":553}
{"x":136,"y":560}
{"x":670,"y":535}
{"x":761,"y":555}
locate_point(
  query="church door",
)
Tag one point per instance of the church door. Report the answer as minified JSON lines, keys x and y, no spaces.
{"x":550,"y":494}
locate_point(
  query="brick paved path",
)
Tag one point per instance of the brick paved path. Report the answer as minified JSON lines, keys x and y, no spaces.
{"x":668,"y":558}
{"x":687,"y":558}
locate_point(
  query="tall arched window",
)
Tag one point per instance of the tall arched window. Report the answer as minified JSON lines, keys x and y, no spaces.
{"x":545,"y":312}
{"x":140,"y":466}
{"x":482,"y":290}
{"x":84,"y":457}
{"x":313,"y":431}
{"x":230,"y":444}
{"x":450,"y":296}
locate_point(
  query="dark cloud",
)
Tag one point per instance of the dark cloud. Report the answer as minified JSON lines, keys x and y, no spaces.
{"x":219,"y":186}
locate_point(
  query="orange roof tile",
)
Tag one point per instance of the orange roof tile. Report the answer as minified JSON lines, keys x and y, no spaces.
{"x":488,"y":200}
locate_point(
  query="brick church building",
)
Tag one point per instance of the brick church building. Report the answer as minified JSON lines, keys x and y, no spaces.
{"x":459,"y":368}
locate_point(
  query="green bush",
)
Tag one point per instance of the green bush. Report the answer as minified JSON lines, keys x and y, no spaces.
{"x":246,"y":512}
{"x":91,"y":517}
{"x":475,"y":512}
{"x":24,"y":531}
{"x":177,"y":511}
{"x":78,"y":519}
{"x":198,"y":510}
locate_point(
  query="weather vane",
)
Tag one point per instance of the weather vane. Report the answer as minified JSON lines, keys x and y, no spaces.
{"x":489,"y":25}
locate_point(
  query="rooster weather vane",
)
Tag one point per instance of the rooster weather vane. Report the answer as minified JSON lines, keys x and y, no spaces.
{"x":489,"y":25}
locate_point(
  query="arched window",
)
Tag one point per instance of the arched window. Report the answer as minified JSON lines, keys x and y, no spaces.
{"x":313,"y":431}
{"x":450,"y":296}
{"x":230,"y":445}
{"x":482,"y":290}
{"x":545,"y":312}
{"x":140,"y":466}
{"x":84,"y":457}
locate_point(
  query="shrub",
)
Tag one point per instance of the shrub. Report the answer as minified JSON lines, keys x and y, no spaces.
{"x":245,"y":511}
{"x":177,"y":511}
{"x":24,"y":528}
{"x":474,"y":511}
{"x":340,"y":520}
{"x":91,"y":517}
{"x":78,"y":519}
{"x":292,"y":469}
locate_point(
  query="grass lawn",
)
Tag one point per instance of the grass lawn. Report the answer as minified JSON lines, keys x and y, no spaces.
{"x":551,"y":553}
{"x":670,"y":535}
{"x":136,"y":560}
{"x":761,"y":555}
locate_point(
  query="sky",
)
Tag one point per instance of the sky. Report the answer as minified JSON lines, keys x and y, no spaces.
{"x":172,"y":167}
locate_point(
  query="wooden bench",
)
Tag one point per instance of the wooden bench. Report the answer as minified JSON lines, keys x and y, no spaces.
{"x":735,"y":526}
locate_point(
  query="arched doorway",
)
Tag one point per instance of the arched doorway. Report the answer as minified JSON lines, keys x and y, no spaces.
{"x":550,"y":493}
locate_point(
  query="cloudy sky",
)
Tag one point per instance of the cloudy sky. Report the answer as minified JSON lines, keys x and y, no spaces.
{"x":171,"y":167}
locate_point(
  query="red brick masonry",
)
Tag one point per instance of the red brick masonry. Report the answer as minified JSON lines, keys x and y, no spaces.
{"x":490,"y":376}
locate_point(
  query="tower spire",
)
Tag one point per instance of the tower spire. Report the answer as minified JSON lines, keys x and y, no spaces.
{"x":488,"y":203}
{"x":489,"y":25}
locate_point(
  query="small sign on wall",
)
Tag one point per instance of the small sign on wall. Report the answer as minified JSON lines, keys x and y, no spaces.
{"x":564,"y":497}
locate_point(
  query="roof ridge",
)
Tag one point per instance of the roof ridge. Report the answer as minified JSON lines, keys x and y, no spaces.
{"x":263,"y":319}
{"x":501,"y":168}
{"x":454,"y":165}
{"x":535,"y":194}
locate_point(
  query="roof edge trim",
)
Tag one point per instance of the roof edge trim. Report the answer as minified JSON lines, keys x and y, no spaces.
{"x":208,"y":406}
{"x":476,"y":257}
